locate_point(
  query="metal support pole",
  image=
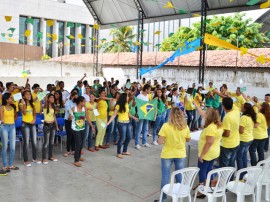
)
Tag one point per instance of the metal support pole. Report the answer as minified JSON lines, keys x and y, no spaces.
{"x":140,"y":40}
{"x":204,"y":7}
{"x":95,"y":52}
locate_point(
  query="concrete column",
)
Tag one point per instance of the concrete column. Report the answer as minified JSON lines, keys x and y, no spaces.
{"x":30,"y":38}
{"x":43,"y":30}
{"x":78,"y":30}
{"x":54,"y":43}
{"x":66,"y":40}
{"x":87,"y":40}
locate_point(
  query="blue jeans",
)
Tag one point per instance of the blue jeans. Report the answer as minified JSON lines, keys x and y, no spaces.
{"x":166,"y":165}
{"x":115,"y":129}
{"x":142,"y":127}
{"x":160,"y":119}
{"x":241,"y":157}
{"x":257,"y":145}
{"x":29,"y":130}
{"x":134,"y":127}
{"x":89,"y":134}
{"x":8,"y":135}
{"x":221,"y":111}
{"x":266,"y":146}
{"x":205,"y":168}
{"x":227,"y":157}
{"x":191,"y":122}
{"x":167,"y":114}
{"x":125,"y":136}
{"x":111,"y":130}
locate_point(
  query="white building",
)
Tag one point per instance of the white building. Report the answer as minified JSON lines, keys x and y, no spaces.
{"x":35,"y":15}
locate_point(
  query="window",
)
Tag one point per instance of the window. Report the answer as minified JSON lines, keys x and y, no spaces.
{"x":22,"y":28}
{"x":83,"y":39}
{"x":72,"y":41}
{"x":36,"y":30}
{"x":61,"y":30}
{"x":49,"y":31}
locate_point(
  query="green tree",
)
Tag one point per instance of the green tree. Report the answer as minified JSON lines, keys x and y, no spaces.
{"x":121,"y":42}
{"x":233,"y":29}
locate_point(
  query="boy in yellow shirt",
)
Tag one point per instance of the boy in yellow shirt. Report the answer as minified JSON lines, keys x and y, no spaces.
{"x":230,"y":138}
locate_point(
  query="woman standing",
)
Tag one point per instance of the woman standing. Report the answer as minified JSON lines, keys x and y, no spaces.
{"x":28,"y":127}
{"x":58,"y":104}
{"x":190,"y":111}
{"x":160,"y":118}
{"x":174,"y":135}
{"x":247,"y":121}
{"x":198,"y":99}
{"x":102,"y":108}
{"x":78,"y":127}
{"x":209,"y":143}
{"x":49,"y":128}
{"x":8,"y":116}
{"x":68,"y":118}
{"x":124,"y":126}
{"x":112,"y":128}
{"x":90,"y":106}
{"x":132,"y":111}
{"x":260,"y":134}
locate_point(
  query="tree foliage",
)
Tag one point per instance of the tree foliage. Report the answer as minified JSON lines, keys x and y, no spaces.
{"x":121,"y":42}
{"x":233,"y":29}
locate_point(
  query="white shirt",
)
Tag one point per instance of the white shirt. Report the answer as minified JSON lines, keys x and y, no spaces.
{"x":65,"y":95}
{"x":87,"y":98}
{"x":142,"y":97}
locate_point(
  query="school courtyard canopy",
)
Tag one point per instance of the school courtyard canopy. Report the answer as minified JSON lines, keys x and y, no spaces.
{"x":110,"y":13}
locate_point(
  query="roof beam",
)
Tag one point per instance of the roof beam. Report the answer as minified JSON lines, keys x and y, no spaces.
{"x":92,"y":10}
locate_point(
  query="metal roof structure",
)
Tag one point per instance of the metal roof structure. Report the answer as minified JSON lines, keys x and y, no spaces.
{"x":265,"y":19}
{"x":125,"y":12}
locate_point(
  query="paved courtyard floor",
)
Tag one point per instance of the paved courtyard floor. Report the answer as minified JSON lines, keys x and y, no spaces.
{"x":102,"y":177}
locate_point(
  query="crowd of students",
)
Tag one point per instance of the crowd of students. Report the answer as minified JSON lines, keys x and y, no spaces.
{"x":233,"y":124}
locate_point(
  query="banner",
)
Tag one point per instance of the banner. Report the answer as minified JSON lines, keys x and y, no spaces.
{"x":146,"y":110}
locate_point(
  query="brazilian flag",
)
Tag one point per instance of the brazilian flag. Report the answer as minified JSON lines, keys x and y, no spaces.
{"x":146,"y":110}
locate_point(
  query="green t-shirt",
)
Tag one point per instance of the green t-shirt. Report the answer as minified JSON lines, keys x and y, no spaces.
{"x":209,"y":102}
{"x":108,"y":101}
{"x":161,"y":107}
{"x":216,"y":102}
{"x":194,"y":92}
{"x":132,"y":109}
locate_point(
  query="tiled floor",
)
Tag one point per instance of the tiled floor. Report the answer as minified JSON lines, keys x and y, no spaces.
{"x":103,"y":177}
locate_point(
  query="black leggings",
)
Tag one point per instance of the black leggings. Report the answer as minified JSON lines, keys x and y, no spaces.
{"x":70,"y":137}
{"x":79,"y":137}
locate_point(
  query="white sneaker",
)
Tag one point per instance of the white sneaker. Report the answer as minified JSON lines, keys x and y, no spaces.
{"x":146,"y":145}
{"x":155,"y":143}
{"x":149,"y":135}
{"x":137,"y":146}
{"x":37,"y":161}
{"x":45,"y":162}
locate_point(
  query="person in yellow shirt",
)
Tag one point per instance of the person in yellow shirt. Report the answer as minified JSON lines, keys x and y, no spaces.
{"x":124,"y":126}
{"x":198,"y":99}
{"x":90,"y":106}
{"x":230,"y":136}
{"x":190,"y":111}
{"x":209,"y":142}
{"x":182,"y":95}
{"x":239,"y":99}
{"x":49,"y":129}
{"x":8,"y":116}
{"x":260,"y":134}
{"x":247,"y":121}
{"x":27,"y":108}
{"x":38,"y":104}
{"x":174,"y":136}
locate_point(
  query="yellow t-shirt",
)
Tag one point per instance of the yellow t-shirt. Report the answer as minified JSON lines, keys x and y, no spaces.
{"x":124,"y":115}
{"x":150,"y":96}
{"x":8,"y":116}
{"x":92,"y":116}
{"x":196,"y":98}
{"x":28,"y":117}
{"x":102,"y":107}
{"x":188,"y":104}
{"x":182,"y":97}
{"x":175,"y":141}
{"x":239,"y":100}
{"x":231,"y":122}
{"x":256,"y":106}
{"x":48,"y":117}
{"x":260,"y":132}
{"x":37,"y":103}
{"x":214,"y":151}
{"x":248,"y":125}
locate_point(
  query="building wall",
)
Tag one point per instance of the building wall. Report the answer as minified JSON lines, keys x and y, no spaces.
{"x":43,"y":10}
{"x":19,"y":51}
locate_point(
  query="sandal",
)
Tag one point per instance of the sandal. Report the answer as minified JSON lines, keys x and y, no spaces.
{"x":66,"y":154}
{"x":45,"y":162}
{"x":96,"y":148}
{"x":126,"y":153}
{"x":13,"y":168}
{"x":120,"y":156}
{"x":107,"y":145}
{"x":53,"y":159}
{"x":77,"y":164}
{"x":6,"y":169}
{"x":27,"y":164}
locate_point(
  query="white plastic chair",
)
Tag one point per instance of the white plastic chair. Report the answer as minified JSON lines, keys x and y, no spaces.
{"x":247,"y":186}
{"x":264,"y":180}
{"x":180,"y":190}
{"x":212,"y":193}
